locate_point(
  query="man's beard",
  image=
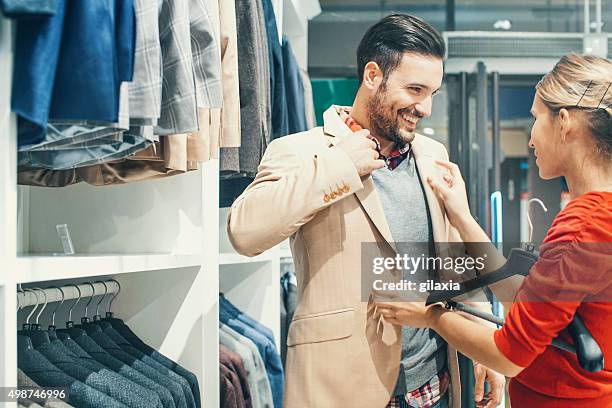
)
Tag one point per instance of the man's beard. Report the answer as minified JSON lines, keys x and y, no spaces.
{"x":384,"y":122}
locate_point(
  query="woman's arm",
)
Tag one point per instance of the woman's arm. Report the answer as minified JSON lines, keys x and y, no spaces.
{"x":472,"y":339}
{"x":451,"y":190}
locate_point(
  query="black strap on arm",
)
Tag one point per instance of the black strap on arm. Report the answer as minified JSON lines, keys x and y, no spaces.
{"x":520,"y":262}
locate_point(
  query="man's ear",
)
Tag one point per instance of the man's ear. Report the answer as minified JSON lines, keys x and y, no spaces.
{"x":372,"y":76}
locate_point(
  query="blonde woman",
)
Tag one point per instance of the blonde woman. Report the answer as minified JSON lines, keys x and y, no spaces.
{"x":571,"y":137}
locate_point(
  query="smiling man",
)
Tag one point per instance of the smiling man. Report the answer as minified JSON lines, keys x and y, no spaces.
{"x":359,"y":179}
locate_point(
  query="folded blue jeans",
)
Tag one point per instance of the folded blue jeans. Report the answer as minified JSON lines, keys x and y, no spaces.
{"x":69,"y":67}
{"x":27,"y":8}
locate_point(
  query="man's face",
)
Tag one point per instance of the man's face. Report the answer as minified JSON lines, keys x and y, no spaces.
{"x":405,"y":97}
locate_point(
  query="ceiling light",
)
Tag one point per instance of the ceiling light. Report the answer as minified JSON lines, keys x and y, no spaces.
{"x":502,"y":24}
{"x":429,"y":131}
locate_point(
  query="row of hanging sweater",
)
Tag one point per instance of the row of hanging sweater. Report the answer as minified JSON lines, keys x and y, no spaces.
{"x":117,"y":91}
{"x":251,"y":372}
{"x":100,"y":363}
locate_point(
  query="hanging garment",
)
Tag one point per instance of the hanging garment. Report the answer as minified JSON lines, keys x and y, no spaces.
{"x":267,"y":350}
{"x":294,"y":90}
{"x":280,"y":126}
{"x":88,"y":345}
{"x":206,"y":55}
{"x":229,"y":389}
{"x":178,"y":108}
{"x":39,"y":369}
{"x":111,"y":348}
{"x":230,"y":122}
{"x":311,"y":118}
{"x":145,"y":88}
{"x":180,"y":392}
{"x":89,"y":362}
{"x":96,"y":42}
{"x":28,"y":8}
{"x":288,"y":305}
{"x":130,"y":336}
{"x":24,"y":381}
{"x":234,"y":363}
{"x":261,"y":393}
{"x":105,"y":381}
{"x":252,"y":89}
{"x":246,"y":319}
{"x":133,"y":351}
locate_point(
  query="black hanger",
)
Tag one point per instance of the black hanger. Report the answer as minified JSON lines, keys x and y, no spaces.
{"x":519,"y":262}
{"x":85,"y":322}
{"x":51,"y":329}
{"x":33,"y":331}
{"x":74,"y":332}
{"x":23,"y":342}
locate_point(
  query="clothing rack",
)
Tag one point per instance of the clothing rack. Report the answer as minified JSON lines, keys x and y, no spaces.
{"x":28,"y":297}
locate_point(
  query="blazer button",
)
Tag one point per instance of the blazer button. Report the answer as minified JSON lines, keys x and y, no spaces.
{"x":326,"y":198}
{"x":333,"y":195}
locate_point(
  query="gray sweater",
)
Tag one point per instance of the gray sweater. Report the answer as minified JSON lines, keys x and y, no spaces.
{"x":403,"y":200}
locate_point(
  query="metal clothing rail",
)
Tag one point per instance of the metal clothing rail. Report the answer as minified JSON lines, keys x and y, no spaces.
{"x":53,"y":294}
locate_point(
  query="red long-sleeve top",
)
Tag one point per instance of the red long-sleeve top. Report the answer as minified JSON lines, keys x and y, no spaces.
{"x":573,"y":275}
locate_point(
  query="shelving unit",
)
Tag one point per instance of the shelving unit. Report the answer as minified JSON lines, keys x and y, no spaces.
{"x":163,"y":240}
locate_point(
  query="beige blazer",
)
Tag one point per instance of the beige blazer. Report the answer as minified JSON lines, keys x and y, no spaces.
{"x":340,"y":354}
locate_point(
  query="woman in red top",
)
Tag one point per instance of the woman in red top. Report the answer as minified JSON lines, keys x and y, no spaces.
{"x":572,"y":137}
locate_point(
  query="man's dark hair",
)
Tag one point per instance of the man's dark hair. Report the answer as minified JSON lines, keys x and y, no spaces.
{"x":388,"y":40}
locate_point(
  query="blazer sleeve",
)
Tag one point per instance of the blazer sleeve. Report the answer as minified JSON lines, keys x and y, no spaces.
{"x":287,"y":192}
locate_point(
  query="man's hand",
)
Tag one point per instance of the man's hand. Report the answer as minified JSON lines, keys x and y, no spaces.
{"x":497,"y":384}
{"x":362,"y":152}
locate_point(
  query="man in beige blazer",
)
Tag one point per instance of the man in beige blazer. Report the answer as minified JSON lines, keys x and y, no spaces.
{"x":325,"y":190}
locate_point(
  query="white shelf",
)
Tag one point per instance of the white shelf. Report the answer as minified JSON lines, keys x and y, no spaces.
{"x":33,"y":268}
{"x":232,"y":258}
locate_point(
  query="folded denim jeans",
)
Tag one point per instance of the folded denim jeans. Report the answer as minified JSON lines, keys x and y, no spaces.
{"x":27,"y":8}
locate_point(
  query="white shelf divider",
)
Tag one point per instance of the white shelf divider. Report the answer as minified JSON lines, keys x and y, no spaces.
{"x":48,"y":267}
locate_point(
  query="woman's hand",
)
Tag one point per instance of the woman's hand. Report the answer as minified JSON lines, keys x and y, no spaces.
{"x":413,"y":314}
{"x":450,"y":188}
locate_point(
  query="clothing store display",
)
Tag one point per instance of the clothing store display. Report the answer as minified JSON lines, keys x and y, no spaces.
{"x":45,"y":85}
{"x":280,"y":125}
{"x":259,"y":385}
{"x":288,"y":305}
{"x":311,"y":118}
{"x":253,"y":97}
{"x":27,"y":8}
{"x":145,"y":88}
{"x":294,"y":91}
{"x":234,"y":363}
{"x":102,"y":356}
{"x":136,"y":342}
{"x":46,"y":374}
{"x":264,"y":341}
{"x":24,"y":381}
{"x":104,"y":380}
{"x":230,"y":122}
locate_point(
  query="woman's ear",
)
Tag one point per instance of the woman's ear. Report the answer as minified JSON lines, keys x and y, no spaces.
{"x":565,"y":123}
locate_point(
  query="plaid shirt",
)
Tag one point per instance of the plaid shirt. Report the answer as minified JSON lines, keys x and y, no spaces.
{"x":430,"y":393}
{"x":424,"y":397}
{"x":393,"y":159}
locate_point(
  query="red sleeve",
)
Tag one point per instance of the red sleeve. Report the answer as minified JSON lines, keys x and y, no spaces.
{"x":567,"y":273}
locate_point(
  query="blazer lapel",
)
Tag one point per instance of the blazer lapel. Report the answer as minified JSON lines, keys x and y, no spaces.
{"x":367,"y":196}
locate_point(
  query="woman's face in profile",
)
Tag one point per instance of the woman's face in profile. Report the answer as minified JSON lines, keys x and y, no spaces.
{"x":546,"y":141}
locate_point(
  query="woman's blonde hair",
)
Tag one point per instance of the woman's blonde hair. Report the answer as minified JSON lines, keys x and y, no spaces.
{"x":582,"y":82}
